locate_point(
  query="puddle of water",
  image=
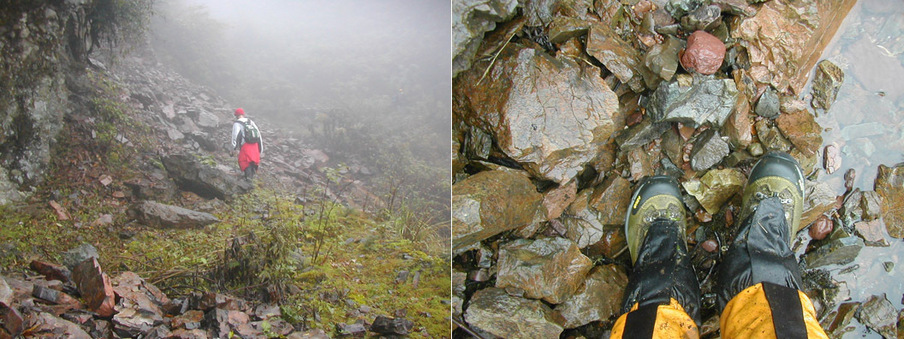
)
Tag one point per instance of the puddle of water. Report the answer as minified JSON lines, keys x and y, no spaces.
{"x":866,"y":123}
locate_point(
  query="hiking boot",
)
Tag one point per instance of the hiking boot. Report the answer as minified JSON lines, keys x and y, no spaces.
{"x":656,"y":198}
{"x":776,"y":174}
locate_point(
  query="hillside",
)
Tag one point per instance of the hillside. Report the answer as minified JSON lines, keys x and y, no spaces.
{"x":118,"y":152}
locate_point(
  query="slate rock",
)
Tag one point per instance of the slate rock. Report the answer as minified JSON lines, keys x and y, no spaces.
{"x":95,"y":287}
{"x":662,"y":60}
{"x":550,"y":269}
{"x":190,"y":174}
{"x":599,"y":299}
{"x":489,"y":203}
{"x":879,"y":315}
{"x":709,"y":150}
{"x":826,"y":83}
{"x":77,"y":255}
{"x":557,"y":199}
{"x":819,"y":198}
{"x":889,"y":186}
{"x":836,"y":252}
{"x":702,"y":19}
{"x":351,"y":330}
{"x":873,"y":232}
{"x":312,"y":334}
{"x":715,"y":187}
{"x":49,"y":326}
{"x":51,"y":271}
{"x":391,"y":326}
{"x":768,"y":105}
{"x":705,"y":100}
{"x":617,"y":55}
{"x":494,"y":311}
{"x":152,"y":213}
{"x":704,"y":52}
{"x":802,"y":131}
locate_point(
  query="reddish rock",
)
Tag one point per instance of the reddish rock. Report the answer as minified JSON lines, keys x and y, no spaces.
{"x":189,"y":320}
{"x":801,"y":129}
{"x":60,"y":211}
{"x":710,"y":246}
{"x":873,"y":232}
{"x":704,"y":53}
{"x":51,"y":271}
{"x":95,"y":288}
{"x":821,"y":227}
{"x":559,"y":198}
{"x":11,"y":320}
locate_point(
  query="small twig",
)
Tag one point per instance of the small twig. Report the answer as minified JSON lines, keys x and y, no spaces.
{"x":493,"y":61}
{"x":466,"y":328}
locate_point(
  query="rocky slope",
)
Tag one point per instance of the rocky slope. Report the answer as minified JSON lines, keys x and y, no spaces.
{"x":561,"y":107}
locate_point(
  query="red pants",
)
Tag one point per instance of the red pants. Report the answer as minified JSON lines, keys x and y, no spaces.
{"x":250,"y":153}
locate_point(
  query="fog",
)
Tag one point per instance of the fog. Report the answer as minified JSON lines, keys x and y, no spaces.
{"x":367,"y":81}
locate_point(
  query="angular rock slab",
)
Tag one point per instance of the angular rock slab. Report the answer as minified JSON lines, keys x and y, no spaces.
{"x":879,"y":315}
{"x":801,"y":129}
{"x":600,"y":297}
{"x":785,"y":39}
{"x":890,"y":187}
{"x":551,"y":115}
{"x":209,"y":182}
{"x":618,"y":56}
{"x":153,"y":213}
{"x":835,"y":252}
{"x":819,"y":198}
{"x":826,"y":83}
{"x":139,"y":307}
{"x":715,"y":188}
{"x":705,"y":100}
{"x":46,"y":325}
{"x":551,"y":269}
{"x":709,"y":150}
{"x":491,"y":202}
{"x":95,"y":287}
{"x":496,"y":312}
{"x":470,"y":20}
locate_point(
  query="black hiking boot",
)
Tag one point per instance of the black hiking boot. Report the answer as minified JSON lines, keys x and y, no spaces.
{"x":655,"y":231}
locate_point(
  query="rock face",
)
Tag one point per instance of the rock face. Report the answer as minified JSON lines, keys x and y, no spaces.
{"x":153,"y":213}
{"x":548,"y":114}
{"x":488,"y":203}
{"x":705,"y":100}
{"x":550,"y":269}
{"x":494,"y":311}
{"x":191,"y":175}
{"x":599,"y":299}
{"x":786,"y":38}
{"x":470,"y":20}
{"x":890,"y":187}
{"x":704,"y":53}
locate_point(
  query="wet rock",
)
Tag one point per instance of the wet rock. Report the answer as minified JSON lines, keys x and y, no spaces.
{"x":563,"y":28}
{"x":821,"y":227}
{"x":738,"y":128}
{"x":351,"y":330}
{"x":826,"y":83}
{"x":706,"y":100}
{"x":704,"y":52}
{"x":152,"y":213}
{"x":618,"y":56}
{"x":771,"y":137}
{"x":6,"y":293}
{"x":599,"y":299}
{"x":640,"y":134}
{"x":879,"y":315}
{"x":890,"y":187}
{"x":662,"y":60}
{"x":391,"y":326}
{"x":736,"y":7}
{"x":609,"y":199}
{"x":641,"y":162}
{"x":494,"y":311}
{"x":801,"y":129}
{"x":551,"y":269}
{"x":850,"y":210}
{"x":831,"y":159}
{"x":756,"y":149}
{"x":189,"y":320}
{"x":556,"y":200}
{"x":872,"y":232}
{"x":552,"y":127}
{"x":46,"y":325}
{"x":139,"y":305}
{"x":836,"y":323}
{"x":715,"y":187}
{"x":835,"y":252}
{"x":79,"y":254}
{"x":267,"y":311}
{"x":785,"y":39}
{"x":50,"y":271}
{"x":189,"y":334}
{"x":488,"y":203}
{"x":710,"y":246}
{"x":477,"y":144}
{"x":768,"y":106}
{"x":819,"y":198}
{"x":159,"y":332}
{"x":95,"y":288}
{"x":11,"y":320}
{"x":162,"y":190}
{"x":581,"y":222}
{"x":870,"y":205}
{"x":210,"y":182}
{"x":702,"y":19}
{"x":709,"y":150}
{"x":53,"y":296}
{"x":217,"y":321}
{"x":470,"y":20}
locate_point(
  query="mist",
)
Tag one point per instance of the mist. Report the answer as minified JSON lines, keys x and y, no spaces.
{"x":367,"y":81}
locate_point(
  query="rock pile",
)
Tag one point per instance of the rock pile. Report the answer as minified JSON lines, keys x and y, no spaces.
{"x":565,"y":107}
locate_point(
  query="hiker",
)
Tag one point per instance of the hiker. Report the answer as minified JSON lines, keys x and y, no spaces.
{"x":246,"y":138}
{"x":758,"y":284}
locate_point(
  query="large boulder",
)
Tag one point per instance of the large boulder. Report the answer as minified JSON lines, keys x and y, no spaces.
{"x":494,"y":311}
{"x":153,"y":213}
{"x":190,"y":174}
{"x":551,"y":269}
{"x":550,"y":114}
{"x":489,"y":203}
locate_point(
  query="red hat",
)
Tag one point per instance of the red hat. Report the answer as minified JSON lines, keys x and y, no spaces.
{"x":239,"y":111}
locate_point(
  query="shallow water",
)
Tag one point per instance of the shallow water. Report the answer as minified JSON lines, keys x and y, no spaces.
{"x":865,"y":123}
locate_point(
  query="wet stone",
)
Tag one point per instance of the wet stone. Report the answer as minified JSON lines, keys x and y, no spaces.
{"x":563,"y":28}
{"x":51,"y":271}
{"x":715,"y":187}
{"x":598,"y":299}
{"x":821,"y":227}
{"x":662,"y":59}
{"x":836,"y":323}
{"x":879,"y":315}
{"x":641,"y":162}
{"x":709,"y":150}
{"x":640,"y":134}
{"x":826,"y":83}
{"x":391,"y":326}
{"x":79,"y":254}
{"x":768,"y":105}
{"x":609,"y":199}
{"x":770,"y":137}
{"x":872,"y":232}
{"x":489,"y":203}
{"x":739,"y":125}
{"x":871,"y":205}
{"x":890,"y":187}
{"x":556,"y":200}
{"x":581,"y":222}
{"x":831,"y":159}
{"x":46,"y":325}
{"x":704,"y":52}
{"x":704,"y":18}
{"x":819,"y":198}
{"x":706,"y":100}
{"x":551,"y":269}
{"x":802,"y":131}
{"x":94,"y":286}
{"x":836,"y":252}
{"x":618,"y":56}
{"x":494,"y":311}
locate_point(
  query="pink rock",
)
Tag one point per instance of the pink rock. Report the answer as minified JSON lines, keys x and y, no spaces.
{"x":821,"y":227}
{"x":704,"y":53}
{"x":710,"y":246}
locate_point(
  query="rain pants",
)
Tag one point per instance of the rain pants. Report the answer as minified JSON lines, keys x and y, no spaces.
{"x":758,"y":286}
{"x":249,"y":152}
